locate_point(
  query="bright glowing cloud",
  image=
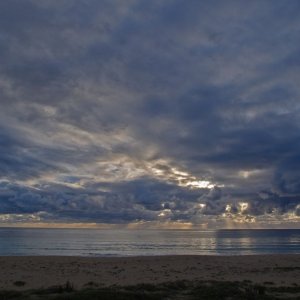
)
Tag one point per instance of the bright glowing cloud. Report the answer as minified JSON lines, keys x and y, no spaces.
{"x":243,"y":206}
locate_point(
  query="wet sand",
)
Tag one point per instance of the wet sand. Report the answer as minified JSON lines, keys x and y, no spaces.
{"x":27,"y":272}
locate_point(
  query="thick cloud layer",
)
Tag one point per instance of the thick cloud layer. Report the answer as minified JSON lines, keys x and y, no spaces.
{"x":135,"y":111}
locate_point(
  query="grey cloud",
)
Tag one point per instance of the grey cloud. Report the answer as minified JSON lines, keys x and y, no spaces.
{"x":209,"y":88}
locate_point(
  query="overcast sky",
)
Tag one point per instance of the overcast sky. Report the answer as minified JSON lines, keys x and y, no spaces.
{"x":150,"y":112}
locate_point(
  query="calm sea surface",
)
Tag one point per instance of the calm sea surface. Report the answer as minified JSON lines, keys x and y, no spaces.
{"x":94,"y":242}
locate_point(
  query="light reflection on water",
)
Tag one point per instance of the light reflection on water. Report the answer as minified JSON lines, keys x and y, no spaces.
{"x":93,"y":242}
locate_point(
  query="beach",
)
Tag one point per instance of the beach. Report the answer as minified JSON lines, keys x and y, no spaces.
{"x":36,"y":272}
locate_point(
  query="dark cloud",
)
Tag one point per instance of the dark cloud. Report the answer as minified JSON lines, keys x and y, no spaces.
{"x":116,"y":111}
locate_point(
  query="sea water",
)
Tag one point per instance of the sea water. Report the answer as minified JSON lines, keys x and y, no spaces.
{"x":96,"y":242}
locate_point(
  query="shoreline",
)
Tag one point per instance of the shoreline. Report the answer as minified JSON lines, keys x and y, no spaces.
{"x":41,"y":272}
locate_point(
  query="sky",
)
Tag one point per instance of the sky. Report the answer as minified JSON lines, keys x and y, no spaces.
{"x":162,"y":113}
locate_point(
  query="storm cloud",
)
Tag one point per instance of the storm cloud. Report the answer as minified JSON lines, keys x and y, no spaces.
{"x":150,"y":111}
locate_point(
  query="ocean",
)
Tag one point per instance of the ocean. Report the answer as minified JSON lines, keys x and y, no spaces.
{"x":96,"y":242}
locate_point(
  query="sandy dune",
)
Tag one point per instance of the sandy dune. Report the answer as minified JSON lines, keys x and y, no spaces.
{"x":43,"y":272}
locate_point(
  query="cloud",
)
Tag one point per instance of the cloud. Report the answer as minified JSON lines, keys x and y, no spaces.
{"x":136,"y":110}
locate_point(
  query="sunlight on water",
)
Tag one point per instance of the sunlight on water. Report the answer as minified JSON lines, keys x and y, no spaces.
{"x":94,"y":242}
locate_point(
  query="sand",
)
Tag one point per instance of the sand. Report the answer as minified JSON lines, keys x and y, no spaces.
{"x":43,"y":272}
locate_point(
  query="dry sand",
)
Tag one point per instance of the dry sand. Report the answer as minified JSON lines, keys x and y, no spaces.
{"x":43,"y":271}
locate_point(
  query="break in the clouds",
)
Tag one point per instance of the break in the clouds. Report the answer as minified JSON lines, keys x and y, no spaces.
{"x":137,"y":111}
